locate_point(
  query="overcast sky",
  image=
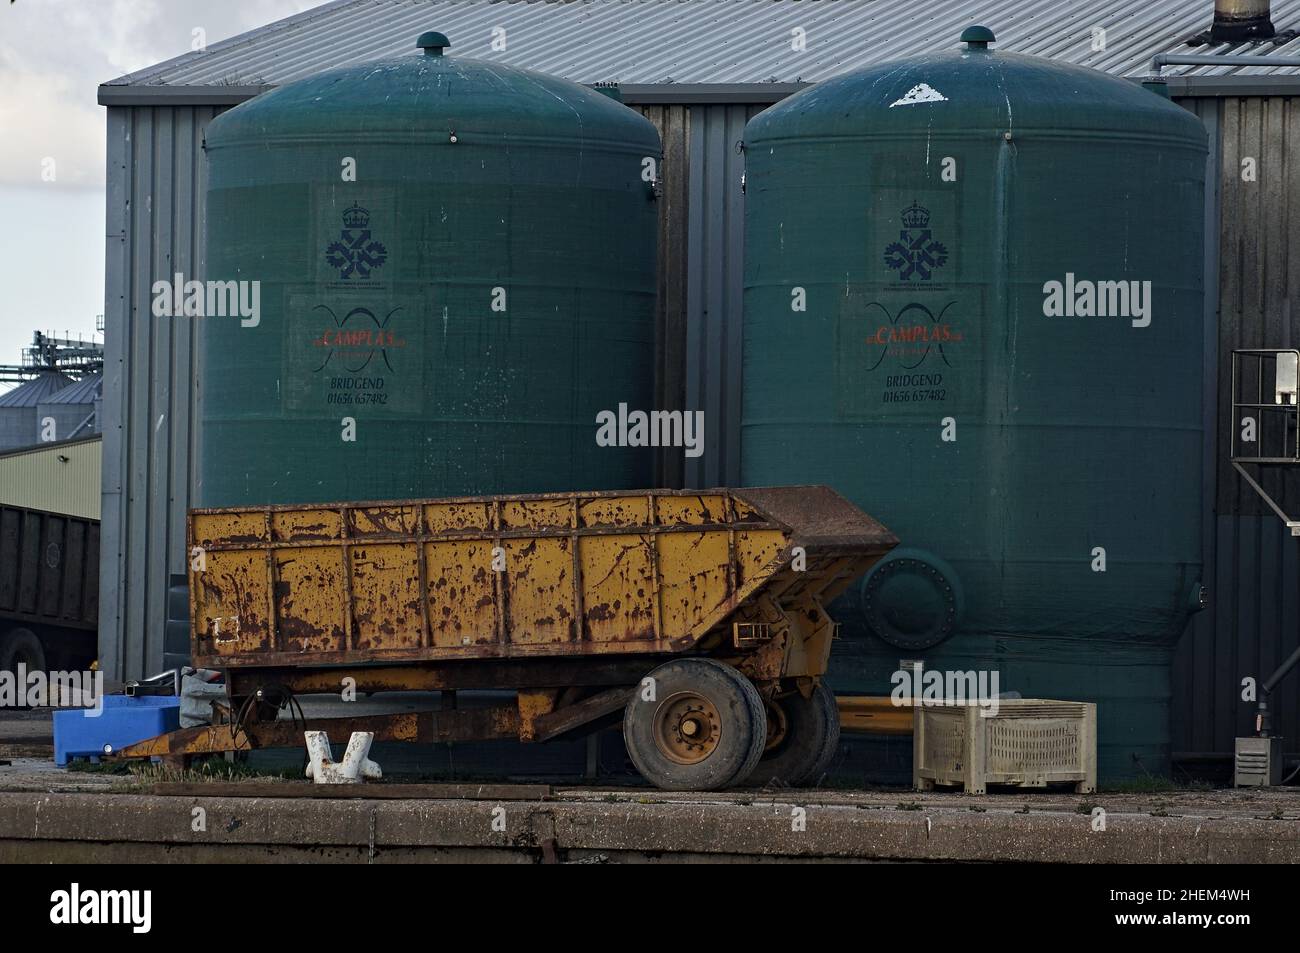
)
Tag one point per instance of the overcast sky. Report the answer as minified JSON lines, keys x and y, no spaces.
{"x":53,"y":55}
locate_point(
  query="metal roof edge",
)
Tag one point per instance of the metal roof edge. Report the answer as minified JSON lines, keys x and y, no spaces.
{"x":1210,"y":86}
{"x":110,"y":95}
{"x":48,"y":445}
{"x":644,"y":94}
{"x":686,"y":94}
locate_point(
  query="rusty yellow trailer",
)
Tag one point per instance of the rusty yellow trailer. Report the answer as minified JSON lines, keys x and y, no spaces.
{"x":700,"y":615}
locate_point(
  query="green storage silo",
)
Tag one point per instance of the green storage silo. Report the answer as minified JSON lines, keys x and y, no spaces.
{"x":456,"y":269}
{"x":973,"y":305}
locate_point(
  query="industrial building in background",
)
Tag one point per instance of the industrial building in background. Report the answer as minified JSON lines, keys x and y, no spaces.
{"x":59,"y":392}
{"x":699,"y":72}
{"x":62,"y":476}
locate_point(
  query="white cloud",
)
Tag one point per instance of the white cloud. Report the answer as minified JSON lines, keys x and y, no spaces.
{"x":55,"y":53}
{"x":53,"y":56}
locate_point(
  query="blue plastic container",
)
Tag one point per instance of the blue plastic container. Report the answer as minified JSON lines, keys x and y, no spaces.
{"x":82,"y":732}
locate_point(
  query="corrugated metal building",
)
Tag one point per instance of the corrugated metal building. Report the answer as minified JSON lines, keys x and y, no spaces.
{"x":699,"y":70}
{"x":20,"y":416}
{"x":75,"y":410}
{"x":59,"y":477}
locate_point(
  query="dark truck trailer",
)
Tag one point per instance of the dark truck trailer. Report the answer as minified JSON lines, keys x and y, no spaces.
{"x":49,"y":590}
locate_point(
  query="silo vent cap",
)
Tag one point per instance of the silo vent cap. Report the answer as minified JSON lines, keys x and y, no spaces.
{"x":433,"y":43}
{"x":978,"y":37}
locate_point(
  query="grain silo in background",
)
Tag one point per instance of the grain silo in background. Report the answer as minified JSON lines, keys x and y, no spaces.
{"x":20,"y":419}
{"x":74,"y":410}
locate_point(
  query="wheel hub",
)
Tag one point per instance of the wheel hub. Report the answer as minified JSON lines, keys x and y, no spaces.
{"x":777,"y":724}
{"x":687,"y":728}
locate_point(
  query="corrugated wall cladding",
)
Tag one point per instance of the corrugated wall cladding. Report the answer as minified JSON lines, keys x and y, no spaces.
{"x":154,"y":229}
{"x":715,"y":287}
{"x":674,"y":126}
{"x":58,"y":478}
{"x":1253,"y":621}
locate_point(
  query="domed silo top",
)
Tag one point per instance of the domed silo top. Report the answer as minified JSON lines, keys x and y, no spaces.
{"x":1007,"y":326}
{"x":978,"y":88}
{"x":455,"y":257}
{"x":432,"y":95}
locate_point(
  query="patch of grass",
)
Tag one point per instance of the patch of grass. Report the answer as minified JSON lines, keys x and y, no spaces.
{"x":211,"y":770}
{"x":104,"y":767}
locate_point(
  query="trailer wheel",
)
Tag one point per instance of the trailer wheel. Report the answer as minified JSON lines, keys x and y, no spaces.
{"x":21,"y":646}
{"x":703,"y":729}
{"x":804,"y":734}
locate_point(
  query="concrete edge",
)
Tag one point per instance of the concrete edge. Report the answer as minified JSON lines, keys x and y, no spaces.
{"x":770,"y":829}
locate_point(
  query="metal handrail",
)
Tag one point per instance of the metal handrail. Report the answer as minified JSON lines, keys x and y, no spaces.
{"x":1290,"y":408}
{"x":1286,"y":403}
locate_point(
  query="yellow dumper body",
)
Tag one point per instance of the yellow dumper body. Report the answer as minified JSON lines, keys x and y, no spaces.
{"x":643,"y":573}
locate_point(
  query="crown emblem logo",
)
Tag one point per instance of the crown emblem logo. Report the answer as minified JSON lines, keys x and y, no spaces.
{"x":356,"y":217}
{"x":915,"y":216}
{"x":355,"y":253}
{"x":916,"y":254}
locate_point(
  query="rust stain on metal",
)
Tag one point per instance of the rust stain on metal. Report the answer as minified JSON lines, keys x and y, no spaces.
{"x":583,"y":574}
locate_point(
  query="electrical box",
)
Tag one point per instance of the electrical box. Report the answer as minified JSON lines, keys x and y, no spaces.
{"x":1258,"y":762}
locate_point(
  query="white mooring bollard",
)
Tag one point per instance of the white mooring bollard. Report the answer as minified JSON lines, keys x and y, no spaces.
{"x":353,"y":769}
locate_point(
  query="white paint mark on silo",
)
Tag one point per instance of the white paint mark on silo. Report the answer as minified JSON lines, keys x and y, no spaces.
{"x":920,"y":93}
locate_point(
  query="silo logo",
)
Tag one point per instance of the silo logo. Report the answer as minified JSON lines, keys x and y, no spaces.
{"x":355,"y":253}
{"x":357,"y":346}
{"x":916,"y":254}
{"x":912,"y":335}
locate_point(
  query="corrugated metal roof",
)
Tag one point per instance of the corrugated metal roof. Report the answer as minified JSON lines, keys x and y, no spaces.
{"x":38,"y":390}
{"x":85,"y":391}
{"x":709,"y":41}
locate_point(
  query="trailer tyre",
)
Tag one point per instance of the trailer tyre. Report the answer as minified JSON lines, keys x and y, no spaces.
{"x":21,"y":646}
{"x":703,"y":727}
{"x":802,"y":749}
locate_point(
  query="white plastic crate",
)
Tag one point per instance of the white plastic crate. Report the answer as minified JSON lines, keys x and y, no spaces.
{"x":1030,"y":743}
